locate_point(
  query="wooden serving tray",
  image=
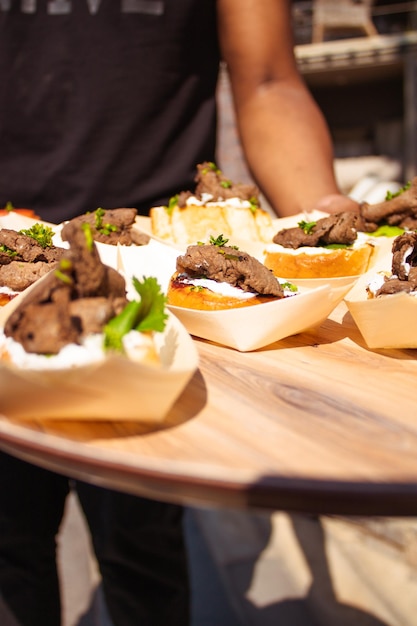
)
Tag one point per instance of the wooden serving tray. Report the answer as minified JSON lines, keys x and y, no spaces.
{"x":316,"y":422}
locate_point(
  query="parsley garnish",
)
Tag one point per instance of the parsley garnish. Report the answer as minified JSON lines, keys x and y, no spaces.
{"x":307,"y":227}
{"x":88,"y":234}
{"x":11,"y":253}
{"x":63,"y":271}
{"x":40,"y":233}
{"x":289,"y":286}
{"x":231,"y":257}
{"x":390,"y":195}
{"x":211,"y":166}
{"x":144,"y":315}
{"x":220,"y":241}
{"x":254,"y":204}
{"x":172,"y":203}
{"x":104,"y":229}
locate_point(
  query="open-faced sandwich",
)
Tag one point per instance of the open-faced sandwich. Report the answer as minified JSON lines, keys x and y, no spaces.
{"x":25,"y":256}
{"x":216,"y":276}
{"x":398,"y":212}
{"x":79,"y":311}
{"x":403,"y":274}
{"x":215,"y":205}
{"x":330,"y":247}
{"x":111,"y":226}
{"x":383,"y":303}
{"x":76,"y":346}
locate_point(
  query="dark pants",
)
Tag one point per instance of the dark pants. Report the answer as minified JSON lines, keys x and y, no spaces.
{"x":138,"y":542}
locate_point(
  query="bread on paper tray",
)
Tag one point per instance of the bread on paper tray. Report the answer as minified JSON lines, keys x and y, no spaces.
{"x":383,"y":302}
{"x":73,"y":345}
{"x":217,"y":205}
{"x":217,"y":276}
{"x":328,"y":247}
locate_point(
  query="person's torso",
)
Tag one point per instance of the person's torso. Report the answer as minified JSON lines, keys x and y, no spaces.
{"x":104,"y":102}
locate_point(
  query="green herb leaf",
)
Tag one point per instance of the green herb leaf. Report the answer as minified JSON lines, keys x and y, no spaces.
{"x":220,"y":241}
{"x":151,"y":315}
{"x":98,"y":214}
{"x":254,"y":204}
{"x":104,"y":229}
{"x":172,"y":203}
{"x":390,"y":195}
{"x":307,"y":227}
{"x":211,"y":166}
{"x":88,"y":234}
{"x":40,"y":233}
{"x":231,"y":257}
{"x":289,"y":286}
{"x":146,"y":314}
{"x":119,"y":326}
{"x":11,"y":253}
{"x":63,"y":271}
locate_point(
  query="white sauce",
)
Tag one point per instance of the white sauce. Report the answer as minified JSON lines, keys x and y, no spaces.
{"x":404,"y":263}
{"x":207,"y":200}
{"x":375,"y":283}
{"x":378,"y":280}
{"x":72,"y":355}
{"x":224,"y":289}
{"x":8,"y":291}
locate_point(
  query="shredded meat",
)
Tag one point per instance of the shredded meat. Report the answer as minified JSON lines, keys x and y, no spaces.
{"x":401,"y":210}
{"x":27,"y":261}
{"x":27,"y":249}
{"x":339,"y":228}
{"x":404,"y":266}
{"x":70,"y":303}
{"x":19,"y":276}
{"x":112,"y":226}
{"x":226,"y":264}
{"x":210,"y":180}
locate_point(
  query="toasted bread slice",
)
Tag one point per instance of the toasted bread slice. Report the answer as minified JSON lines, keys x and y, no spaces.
{"x":318,"y":262}
{"x":194,"y":223}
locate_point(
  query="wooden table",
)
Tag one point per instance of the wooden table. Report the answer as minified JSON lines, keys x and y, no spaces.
{"x":315,"y":423}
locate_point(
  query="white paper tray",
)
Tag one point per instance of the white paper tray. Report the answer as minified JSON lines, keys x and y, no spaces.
{"x":116,"y":388}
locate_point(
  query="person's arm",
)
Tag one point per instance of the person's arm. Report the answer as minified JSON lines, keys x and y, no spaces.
{"x":285,"y":138}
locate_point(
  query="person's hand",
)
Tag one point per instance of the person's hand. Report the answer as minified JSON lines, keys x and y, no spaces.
{"x":336,"y":203}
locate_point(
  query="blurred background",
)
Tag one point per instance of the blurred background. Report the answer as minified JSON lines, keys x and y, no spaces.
{"x":359,"y":59}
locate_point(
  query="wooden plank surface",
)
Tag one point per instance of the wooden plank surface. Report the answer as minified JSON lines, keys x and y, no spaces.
{"x":316,"y":422}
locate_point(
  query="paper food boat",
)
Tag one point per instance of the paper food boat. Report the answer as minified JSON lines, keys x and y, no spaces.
{"x":246,"y":328}
{"x":110,"y":389}
{"x":385,"y":322}
{"x":114,"y":389}
{"x":388,"y":321}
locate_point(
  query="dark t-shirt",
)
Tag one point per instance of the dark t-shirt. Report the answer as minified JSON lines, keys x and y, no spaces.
{"x":104,"y":102}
